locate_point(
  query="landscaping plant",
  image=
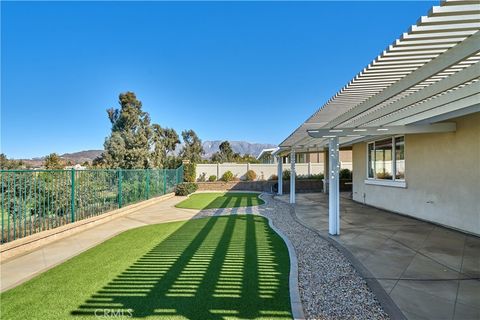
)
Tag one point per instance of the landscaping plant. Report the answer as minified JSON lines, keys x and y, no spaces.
{"x":186,"y":188}
{"x":250,"y":175}
{"x":227,"y":176}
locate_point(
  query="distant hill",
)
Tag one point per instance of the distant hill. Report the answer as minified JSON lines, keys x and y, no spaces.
{"x":82,"y":156}
{"x":210,"y":148}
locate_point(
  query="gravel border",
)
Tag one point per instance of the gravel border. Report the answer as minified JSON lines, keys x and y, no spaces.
{"x":329,"y":285}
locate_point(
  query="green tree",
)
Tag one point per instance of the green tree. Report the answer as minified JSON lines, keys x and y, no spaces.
{"x":53,"y":162}
{"x":225,"y":153}
{"x":4,"y":162}
{"x":164,"y":140}
{"x":128,"y":146}
{"x":10,"y":164}
{"x":192,"y":149}
{"x":246,"y":158}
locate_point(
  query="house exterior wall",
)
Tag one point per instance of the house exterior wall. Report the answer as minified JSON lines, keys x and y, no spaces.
{"x":442,"y":174}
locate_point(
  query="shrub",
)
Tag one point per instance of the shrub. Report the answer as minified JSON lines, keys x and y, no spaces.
{"x":286,"y":175}
{"x":202,"y":177}
{"x":189,"y":172}
{"x":319,"y":176}
{"x":227,"y":176}
{"x":185,"y":188}
{"x":212,"y":178}
{"x":345,"y":174}
{"x":273,"y":177}
{"x":250,"y":175}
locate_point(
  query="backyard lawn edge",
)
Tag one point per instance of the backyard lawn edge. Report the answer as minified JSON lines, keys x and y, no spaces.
{"x":295,"y":301}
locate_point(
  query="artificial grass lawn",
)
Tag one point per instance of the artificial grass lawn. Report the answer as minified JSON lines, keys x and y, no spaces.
{"x":215,"y":200}
{"x":211,"y":268}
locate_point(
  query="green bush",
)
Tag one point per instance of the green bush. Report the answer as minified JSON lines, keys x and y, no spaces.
{"x":202,"y":177}
{"x":212,"y":178}
{"x":311,"y":177}
{"x":185,"y":188}
{"x":227,"y":176}
{"x":345,"y":174}
{"x":286,"y":175}
{"x":189,"y":172}
{"x":319,"y":176}
{"x":250,"y":175}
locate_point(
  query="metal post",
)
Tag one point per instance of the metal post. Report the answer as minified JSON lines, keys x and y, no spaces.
{"x":120,"y":188}
{"x":280,"y":175}
{"x":147,"y":193}
{"x":72,"y":196}
{"x":164,"y":181}
{"x":292,"y":176}
{"x":325,"y":169}
{"x":334,"y":188}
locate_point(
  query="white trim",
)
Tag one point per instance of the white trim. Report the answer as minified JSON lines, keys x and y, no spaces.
{"x":386,"y":183}
{"x":394,"y":163}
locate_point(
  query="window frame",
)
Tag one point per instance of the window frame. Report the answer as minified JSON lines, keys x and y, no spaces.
{"x":394,"y":182}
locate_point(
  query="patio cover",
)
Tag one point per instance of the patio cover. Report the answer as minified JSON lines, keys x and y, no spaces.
{"x":428,"y":75}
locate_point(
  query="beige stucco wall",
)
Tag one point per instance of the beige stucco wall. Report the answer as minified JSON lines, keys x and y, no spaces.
{"x":442,"y":176}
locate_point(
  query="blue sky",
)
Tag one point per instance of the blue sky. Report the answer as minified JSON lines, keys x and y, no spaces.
{"x":247,"y":71}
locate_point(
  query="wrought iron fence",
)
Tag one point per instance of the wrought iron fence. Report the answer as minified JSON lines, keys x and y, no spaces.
{"x":36,"y":200}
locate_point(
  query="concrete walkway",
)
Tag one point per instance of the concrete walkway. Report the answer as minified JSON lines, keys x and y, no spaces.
{"x":17,"y":270}
{"x":430,"y":272}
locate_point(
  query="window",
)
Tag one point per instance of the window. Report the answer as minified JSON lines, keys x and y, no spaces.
{"x":383,"y":159}
{"x":386,"y":159}
{"x":300,"y":158}
{"x":400,"y":158}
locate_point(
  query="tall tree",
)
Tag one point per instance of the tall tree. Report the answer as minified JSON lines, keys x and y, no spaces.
{"x":192,"y":148}
{"x":225,"y":153}
{"x":165,"y":141}
{"x":53,"y":161}
{"x":128,"y":146}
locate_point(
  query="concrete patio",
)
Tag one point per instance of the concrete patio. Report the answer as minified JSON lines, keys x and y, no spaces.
{"x":430,"y":272}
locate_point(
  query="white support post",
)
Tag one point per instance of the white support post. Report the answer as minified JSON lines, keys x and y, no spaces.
{"x":292,"y":176}
{"x":280,"y":175}
{"x":309,"y":168}
{"x":334,"y":188}
{"x":326,"y":165}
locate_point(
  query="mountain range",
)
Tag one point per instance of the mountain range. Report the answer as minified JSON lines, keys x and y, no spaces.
{"x":210,"y":147}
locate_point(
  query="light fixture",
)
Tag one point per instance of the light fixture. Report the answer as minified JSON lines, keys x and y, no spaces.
{"x":335,"y":130}
{"x":382,"y":129}
{"x":359,"y":130}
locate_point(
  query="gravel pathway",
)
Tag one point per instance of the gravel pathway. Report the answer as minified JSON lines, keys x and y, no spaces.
{"x":330,"y":287}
